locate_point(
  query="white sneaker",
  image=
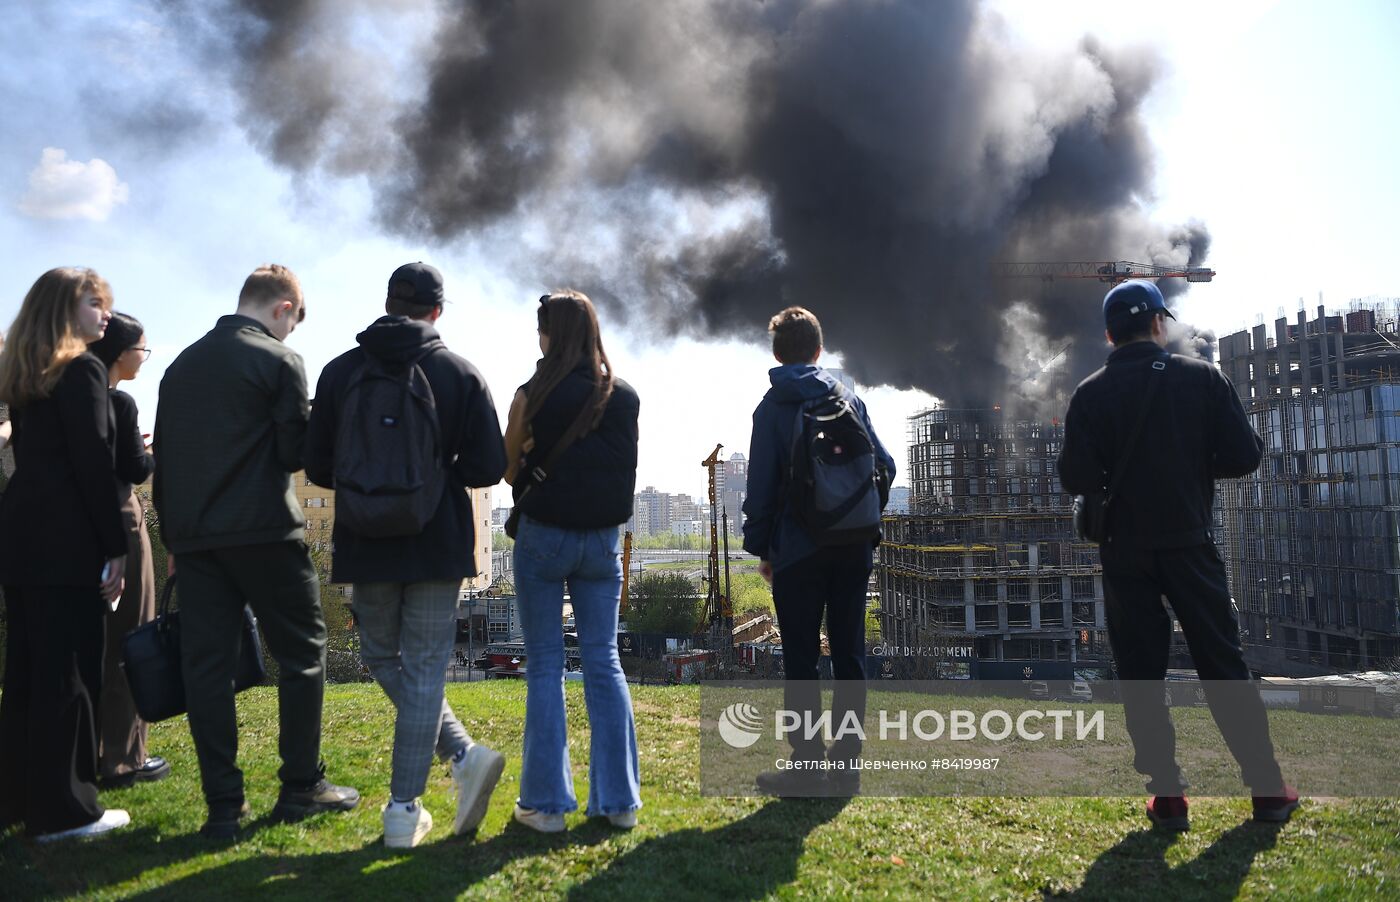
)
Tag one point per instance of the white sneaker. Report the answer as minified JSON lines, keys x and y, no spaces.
{"x":474,"y":778}
{"x":405,"y":827}
{"x":624,"y":820}
{"x":111,"y":819}
{"x":538,"y":820}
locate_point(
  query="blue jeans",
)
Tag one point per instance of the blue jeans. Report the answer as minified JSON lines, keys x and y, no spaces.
{"x":546,"y":558}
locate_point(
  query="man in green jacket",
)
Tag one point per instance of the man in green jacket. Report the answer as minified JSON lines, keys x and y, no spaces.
{"x":230,"y":426}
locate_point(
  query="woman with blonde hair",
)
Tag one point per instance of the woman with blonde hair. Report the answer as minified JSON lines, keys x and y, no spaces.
{"x":121,"y":747}
{"x":62,"y":557}
{"x":571,"y":448}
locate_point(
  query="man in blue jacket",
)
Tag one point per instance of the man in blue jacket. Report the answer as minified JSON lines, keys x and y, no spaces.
{"x":807,"y":580}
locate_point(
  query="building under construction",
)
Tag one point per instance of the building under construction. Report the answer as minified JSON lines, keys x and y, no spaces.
{"x":1313,"y":537}
{"x":984,"y":576}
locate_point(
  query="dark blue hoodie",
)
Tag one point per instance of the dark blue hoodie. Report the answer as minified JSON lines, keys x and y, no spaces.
{"x":770,"y":532}
{"x":472,"y":450}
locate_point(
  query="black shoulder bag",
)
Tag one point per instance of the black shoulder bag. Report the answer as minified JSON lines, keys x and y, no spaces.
{"x":1091,"y":510}
{"x":151,"y":661}
{"x":540,"y":473}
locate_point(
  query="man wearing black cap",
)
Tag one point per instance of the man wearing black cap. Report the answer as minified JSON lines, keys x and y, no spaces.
{"x":1160,"y":429}
{"x":407,"y":572}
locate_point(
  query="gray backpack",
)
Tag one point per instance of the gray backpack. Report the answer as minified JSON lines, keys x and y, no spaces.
{"x":389,"y":472}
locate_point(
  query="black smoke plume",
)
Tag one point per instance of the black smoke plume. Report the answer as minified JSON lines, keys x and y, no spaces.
{"x":696,"y":165}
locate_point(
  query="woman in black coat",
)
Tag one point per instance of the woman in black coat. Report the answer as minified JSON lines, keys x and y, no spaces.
{"x":121,"y":732}
{"x":62,"y":557}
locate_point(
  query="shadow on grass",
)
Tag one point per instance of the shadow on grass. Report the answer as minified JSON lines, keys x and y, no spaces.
{"x":54,"y":877}
{"x":1137,"y":866}
{"x":748,"y":859}
{"x":441,"y":869}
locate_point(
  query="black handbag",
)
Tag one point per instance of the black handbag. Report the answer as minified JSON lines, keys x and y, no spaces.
{"x":151,"y":661}
{"x":1091,"y":510}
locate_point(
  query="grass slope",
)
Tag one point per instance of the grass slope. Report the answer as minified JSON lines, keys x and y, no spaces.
{"x":686,"y":847}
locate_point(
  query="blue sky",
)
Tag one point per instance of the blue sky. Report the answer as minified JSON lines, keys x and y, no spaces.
{"x":1275,"y":124}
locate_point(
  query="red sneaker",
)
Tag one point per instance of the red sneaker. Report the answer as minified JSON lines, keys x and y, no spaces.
{"x":1276,"y":809}
{"x":1168,"y":812}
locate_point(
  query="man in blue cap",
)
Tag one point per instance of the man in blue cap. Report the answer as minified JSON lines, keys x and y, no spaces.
{"x":1159,"y":429}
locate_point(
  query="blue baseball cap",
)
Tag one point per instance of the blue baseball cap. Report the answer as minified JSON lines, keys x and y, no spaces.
{"x":1131,"y":298}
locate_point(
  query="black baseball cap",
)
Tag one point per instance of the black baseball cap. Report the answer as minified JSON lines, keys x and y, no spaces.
{"x":417,"y":283}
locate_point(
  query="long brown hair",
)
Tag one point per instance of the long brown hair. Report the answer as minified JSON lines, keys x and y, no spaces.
{"x":44,"y":338}
{"x":571,"y":323}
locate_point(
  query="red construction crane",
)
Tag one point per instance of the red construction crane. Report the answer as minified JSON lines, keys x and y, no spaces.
{"x":1112,"y":272}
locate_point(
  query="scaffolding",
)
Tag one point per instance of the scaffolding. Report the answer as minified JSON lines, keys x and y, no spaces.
{"x":987,"y":559}
{"x":1312,"y":538}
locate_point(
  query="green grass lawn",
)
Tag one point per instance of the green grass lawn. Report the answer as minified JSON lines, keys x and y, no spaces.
{"x":686,"y":847}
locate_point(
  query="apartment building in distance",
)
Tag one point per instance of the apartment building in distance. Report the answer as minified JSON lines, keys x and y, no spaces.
{"x":318,"y":506}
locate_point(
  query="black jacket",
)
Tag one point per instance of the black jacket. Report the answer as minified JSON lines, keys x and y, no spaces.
{"x":230,"y":426}
{"x":134,"y":464}
{"x":1196,"y":432}
{"x":60,"y":516}
{"x":472,"y":449}
{"x":591,"y":485}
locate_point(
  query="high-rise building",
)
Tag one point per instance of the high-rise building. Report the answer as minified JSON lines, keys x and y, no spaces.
{"x":984,"y":574}
{"x":736,"y":489}
{"x":651,"y":512}
{"x":1312,"y":539}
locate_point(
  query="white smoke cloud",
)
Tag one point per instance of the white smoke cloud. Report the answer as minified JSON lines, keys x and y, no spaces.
{"x":60,"y":188}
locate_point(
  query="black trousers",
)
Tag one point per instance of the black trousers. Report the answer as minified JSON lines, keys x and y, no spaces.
{"x":53,"y":678}
{"x":1139,"y":629}
{"x":279,"y":582}
{"x":831,"y":582}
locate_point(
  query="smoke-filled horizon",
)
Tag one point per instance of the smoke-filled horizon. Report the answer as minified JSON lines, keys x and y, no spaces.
{"x":695,"y":166}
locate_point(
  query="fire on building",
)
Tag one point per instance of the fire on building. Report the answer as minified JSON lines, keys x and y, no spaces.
{"x":984,"y":577}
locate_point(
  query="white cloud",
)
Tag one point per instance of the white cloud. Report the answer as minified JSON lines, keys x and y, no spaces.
{"x":60,"y":188}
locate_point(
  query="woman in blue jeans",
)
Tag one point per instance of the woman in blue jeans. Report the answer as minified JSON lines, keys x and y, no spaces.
{"x":572,"y":446}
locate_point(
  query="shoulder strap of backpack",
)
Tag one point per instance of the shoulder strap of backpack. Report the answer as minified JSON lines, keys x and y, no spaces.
{"x":1155,"y":375}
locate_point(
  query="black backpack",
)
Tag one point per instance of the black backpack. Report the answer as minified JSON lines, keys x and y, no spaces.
{"x":389,"y":472}
{"x":836,"y":486}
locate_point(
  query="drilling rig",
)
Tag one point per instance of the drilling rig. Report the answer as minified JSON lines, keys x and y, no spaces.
{"x":718,"y":620}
